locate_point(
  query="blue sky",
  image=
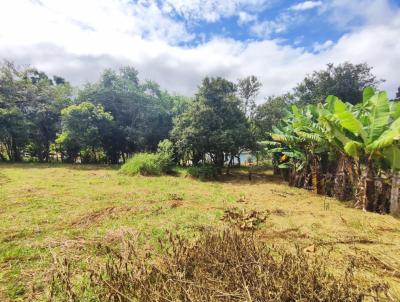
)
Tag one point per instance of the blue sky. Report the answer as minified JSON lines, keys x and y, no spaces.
{"x":178,"y":42}
{"x":300,"y":26}
{"x":303,"y":24}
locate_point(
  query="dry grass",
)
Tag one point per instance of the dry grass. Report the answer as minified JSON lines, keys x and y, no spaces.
{"x":77,"y":211}
{"x":220,"y":267}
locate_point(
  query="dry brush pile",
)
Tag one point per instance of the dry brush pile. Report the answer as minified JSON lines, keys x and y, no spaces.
{"x":223,"y":266}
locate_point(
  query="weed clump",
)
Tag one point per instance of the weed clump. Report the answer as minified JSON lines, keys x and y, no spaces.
{"x":146,"y":164}
{"x":227,"y":266}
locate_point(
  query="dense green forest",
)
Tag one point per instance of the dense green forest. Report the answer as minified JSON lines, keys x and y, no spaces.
{"x":332,"y":133}
{"x":44,"y":118}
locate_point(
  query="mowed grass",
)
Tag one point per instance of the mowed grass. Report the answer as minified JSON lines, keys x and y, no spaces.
{"x":54,"y":211}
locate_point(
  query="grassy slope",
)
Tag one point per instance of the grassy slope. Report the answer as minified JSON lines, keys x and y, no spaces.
{"x":67,"y":210}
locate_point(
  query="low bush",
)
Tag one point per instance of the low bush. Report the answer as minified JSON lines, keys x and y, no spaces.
{"x":203,"y":172}
{"x":220,"y":267}
{"x":147,"y":164}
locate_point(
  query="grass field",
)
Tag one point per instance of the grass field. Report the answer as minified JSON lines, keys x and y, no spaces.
{"x":49,"y":211}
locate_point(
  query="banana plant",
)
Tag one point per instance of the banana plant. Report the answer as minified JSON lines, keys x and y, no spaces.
{"x":287,"y":150}
{"x":302,"y":139}
{"x":307,"y":127}
{"x":368,"y":134}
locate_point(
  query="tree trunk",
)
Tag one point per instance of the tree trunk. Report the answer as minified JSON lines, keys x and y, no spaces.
{"x":16,"y":155}
{"x":314,"y":174}
{"x":229,"y":165}
{"x":219,"y":161}
{"x":394,"y":197}
{"x":277,"y":171}
{"x":366,"y":188}
{"x":343,"y":182}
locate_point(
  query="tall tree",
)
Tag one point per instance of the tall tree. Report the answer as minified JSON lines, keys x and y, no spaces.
{"x":31,"y":96}
{"x":213,"y":125}
{"x":248,"y":89}
{"x":142,"y":112}
{"x":346,"y":81}
{"x":84,"y":127}
{"x":270,"y":113}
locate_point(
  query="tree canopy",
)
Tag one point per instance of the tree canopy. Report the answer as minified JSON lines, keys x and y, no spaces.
{"x":346,"y":81}
{"x":43,"y":117}
{"x":213,"y":125}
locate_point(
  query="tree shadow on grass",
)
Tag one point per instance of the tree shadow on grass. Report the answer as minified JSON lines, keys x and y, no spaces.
{"x":247,"y":178}
{"x":84,"y":167}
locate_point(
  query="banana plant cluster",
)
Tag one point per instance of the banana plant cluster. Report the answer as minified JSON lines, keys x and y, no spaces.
{"x":347,"y":151}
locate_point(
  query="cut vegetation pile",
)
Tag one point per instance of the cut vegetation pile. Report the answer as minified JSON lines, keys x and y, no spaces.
{"x":245,"y":220}
{"x":227,"y":266}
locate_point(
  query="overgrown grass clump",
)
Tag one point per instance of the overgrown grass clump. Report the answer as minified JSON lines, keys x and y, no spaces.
{"x":219,"y":266}
{"x":147,"y":164}
{"x":203,"y":172}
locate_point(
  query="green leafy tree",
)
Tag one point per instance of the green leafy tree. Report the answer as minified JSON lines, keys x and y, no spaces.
{"x":142,"y":112}
{"x":270,"y":113}
{"x":248,"y":89}
{"x":13,"y":134}
{"x":213,"y":125}
{"x":84,"y":127}
{"x":39,"y":102}
{"x":346,"y":81}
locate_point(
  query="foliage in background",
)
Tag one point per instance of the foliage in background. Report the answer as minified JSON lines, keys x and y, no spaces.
{"x":142,"y":111}
{"x":30,"y":111}
{"x":248,"y":89}
{"x":217,"y":125}
{"x":203,"y":172}
{"x":270,"y":113}
{"x":213,"y":125}
{"x":347,"y":81}
{"x":84,"y":127}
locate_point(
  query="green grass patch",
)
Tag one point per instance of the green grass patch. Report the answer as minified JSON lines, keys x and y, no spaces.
{"x":76,"y":211}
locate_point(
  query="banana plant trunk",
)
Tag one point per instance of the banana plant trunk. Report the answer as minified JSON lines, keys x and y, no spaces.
{"x":314,"y":174}
{"x":394,"y":198}
{"x":344,"y":178}
{"x":369,"y":185}
{"x":365,"y":187}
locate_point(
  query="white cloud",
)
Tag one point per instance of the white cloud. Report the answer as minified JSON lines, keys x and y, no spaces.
{"x":265,"y":29}
{"x":306,"y":5}
{"x":345,"y":14}
{"x":317,"y":47}
{"x":78,"y":40}
{"x":245,"y":18}
{"x":211,"y":10}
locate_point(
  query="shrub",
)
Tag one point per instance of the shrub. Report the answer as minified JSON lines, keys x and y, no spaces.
{"x":165,"y":151}
{"x":203,"y":172}
{"x":146,"y":164}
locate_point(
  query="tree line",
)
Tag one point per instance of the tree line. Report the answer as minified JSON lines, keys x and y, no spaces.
{"x":45,"y":118}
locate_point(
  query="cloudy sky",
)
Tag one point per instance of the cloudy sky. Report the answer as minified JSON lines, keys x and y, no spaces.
{"x":178,"y":42}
